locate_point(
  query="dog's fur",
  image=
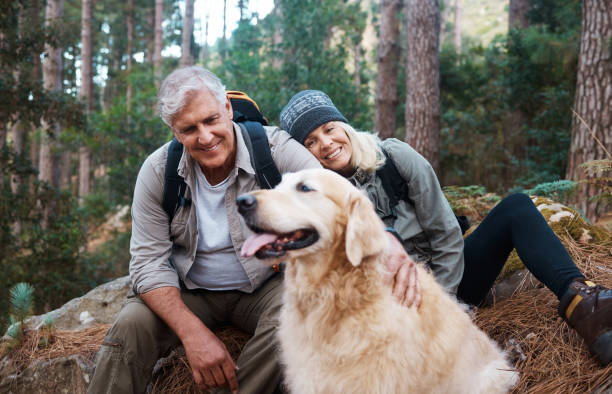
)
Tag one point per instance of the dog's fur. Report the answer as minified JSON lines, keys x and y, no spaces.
{"x":341,"y":330}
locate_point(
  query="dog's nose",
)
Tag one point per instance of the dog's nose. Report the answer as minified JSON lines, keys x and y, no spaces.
{"x":246,"y":203}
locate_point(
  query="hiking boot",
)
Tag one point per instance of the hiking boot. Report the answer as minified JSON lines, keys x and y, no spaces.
{"x":587,"y":308}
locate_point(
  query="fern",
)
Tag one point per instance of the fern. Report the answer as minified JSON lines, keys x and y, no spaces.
{"x":21,"y":300}
{"x":557,"y":190}
{"x":597,"y":170}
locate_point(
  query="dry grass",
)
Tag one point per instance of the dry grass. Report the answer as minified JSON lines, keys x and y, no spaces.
{"x":550,"y":356}
{"x":47,"y":345}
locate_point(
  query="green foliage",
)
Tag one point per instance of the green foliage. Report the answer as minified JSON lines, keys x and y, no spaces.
{"x":20,"y":308}
{"x":600,"y":176}
{"x":557,"y":190}
{"x":127,"y":137}
{"x":506,"y":117}
{"x":21,"y":300}
{"x":47,"y":257}
{"x":310,"y":55}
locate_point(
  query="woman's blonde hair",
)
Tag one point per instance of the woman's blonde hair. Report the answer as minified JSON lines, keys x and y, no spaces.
{"x":367,"y":153}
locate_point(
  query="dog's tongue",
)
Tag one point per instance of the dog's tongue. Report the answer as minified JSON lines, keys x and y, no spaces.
{"x":256,"y":242}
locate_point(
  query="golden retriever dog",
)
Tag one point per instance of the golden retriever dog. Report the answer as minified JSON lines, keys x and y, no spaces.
{"x":341,"y":329}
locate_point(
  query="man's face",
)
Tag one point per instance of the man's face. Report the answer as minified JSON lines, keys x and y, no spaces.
{"x":205,"y":129}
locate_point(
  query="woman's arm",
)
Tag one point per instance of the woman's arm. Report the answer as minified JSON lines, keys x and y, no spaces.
{"x":433,"y":213}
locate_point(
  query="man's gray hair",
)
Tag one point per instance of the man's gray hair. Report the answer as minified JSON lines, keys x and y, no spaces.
{"x":176,"y":88}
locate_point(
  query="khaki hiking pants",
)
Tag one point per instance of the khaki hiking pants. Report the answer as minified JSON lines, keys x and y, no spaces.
{"x":138,"y":338}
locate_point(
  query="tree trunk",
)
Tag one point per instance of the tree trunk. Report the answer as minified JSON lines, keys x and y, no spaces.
{"x":36,"y":75}
{"x":388,"y":58}
{"x":87,"y":97}
{"x":517,"y":14}
{"x":515,"y":118}
{"x":457,"y":26}
{"x":423,"y":79}
{"x":445,"y":7}
{"x":130,"y":52}
{"x":186,"y":59}
{"x":52,"y":70}
{"x":223,"y":38}
{"x":17,"y":140}
{"x":159,"y":42}
{"x":593,"y":99}
{"x":150,"y":37}
{"x":204,"y":51}
{"x":277,"y":36}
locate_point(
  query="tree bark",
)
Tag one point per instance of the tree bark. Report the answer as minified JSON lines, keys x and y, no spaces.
{"x":423,"y":79}
{"x":444,"y":16}
{"x":35,"y":75}
{"x":130,"y":52}
{"x":87,"y":97}
{"x":186,"y":59}
{"x":277,"y":36}
{"x":52,"y":69}
{"x":515,"y":118}
{"x":223,"y":38}
{"x":517,"y":14}
{"x":159,"y":42}
{"x":457,"y":26}
{"x":204,"y":50}
{"x":150,"y":37}
{"x":388,"y":59}
{"x":593,"y":99}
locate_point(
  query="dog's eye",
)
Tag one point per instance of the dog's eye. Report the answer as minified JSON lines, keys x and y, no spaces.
{"x":302,"y":187}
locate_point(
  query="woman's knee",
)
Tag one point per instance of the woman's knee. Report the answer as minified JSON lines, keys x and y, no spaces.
{"x":518,"y":199}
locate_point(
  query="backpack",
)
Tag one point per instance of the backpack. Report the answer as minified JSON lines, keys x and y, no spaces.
{"x":251,"y":122}
{"x":397,"y":189}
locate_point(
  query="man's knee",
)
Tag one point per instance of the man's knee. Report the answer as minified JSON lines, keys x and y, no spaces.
{"x":136,"y":331}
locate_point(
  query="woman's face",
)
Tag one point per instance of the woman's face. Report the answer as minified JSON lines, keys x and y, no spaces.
{"x":330,"y":144}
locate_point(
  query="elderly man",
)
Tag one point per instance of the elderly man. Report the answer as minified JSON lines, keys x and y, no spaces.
{"x":219,"y":286}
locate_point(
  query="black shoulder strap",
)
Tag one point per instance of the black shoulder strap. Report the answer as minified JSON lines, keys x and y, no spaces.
{"x":255,"y":137}
{"x":397,"y":189}
{"x":393,"y":183}
{"x":174,"y":184}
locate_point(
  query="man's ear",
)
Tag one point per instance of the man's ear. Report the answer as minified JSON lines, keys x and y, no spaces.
{"x":364,"y":233}
{"x":228,"y":107}
{"x":176,"y":135}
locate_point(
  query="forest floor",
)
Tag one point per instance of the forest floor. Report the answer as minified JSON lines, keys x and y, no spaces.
{"x":549,"y":355}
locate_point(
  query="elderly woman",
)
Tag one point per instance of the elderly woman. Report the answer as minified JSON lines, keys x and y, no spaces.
{"x":428,"y":230}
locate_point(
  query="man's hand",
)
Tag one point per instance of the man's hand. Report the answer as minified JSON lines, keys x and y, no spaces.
{"x":211,"y":363}
{"x":401,"y":270}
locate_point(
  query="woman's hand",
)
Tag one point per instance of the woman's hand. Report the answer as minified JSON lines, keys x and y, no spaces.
{"x":401,"y":270}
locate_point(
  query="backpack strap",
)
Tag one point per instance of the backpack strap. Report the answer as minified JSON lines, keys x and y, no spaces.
{"x":397,"y":189}
{"x":393,"y":183}
{"x":255,"y":137}
{"x":174,"y":184}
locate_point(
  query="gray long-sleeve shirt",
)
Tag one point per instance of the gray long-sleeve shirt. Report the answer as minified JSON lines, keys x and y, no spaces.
{"x":425,"y":221}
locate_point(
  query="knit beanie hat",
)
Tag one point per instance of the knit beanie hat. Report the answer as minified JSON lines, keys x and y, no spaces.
{"x":306,"y":111}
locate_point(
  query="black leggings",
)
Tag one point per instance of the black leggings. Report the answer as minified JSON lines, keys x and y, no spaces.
{"x":514,"y":223}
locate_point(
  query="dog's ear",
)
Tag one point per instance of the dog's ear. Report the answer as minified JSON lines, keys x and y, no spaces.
{"x":364,"y":233}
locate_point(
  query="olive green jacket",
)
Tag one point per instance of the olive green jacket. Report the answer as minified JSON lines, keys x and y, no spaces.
{"x":424,"y":220}
{"x":150,"y":245}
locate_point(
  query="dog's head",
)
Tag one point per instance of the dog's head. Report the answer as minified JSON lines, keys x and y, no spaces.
{"x":309,"y":212}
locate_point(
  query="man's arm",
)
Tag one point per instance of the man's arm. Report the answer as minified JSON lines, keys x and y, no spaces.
{"x":210,"y":362}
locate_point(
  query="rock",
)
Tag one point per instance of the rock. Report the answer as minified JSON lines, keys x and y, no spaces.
{"x":520,"y":280}
{"x":99,"y":306}
{"x":70,"y":375}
